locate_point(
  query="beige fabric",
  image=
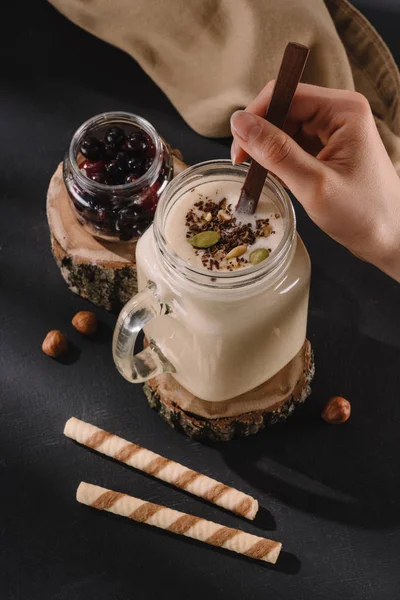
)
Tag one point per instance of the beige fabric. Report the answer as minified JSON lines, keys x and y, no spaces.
{"x":211,"y":57}
{"x":374,"y":71}
{"x":268,"y":396}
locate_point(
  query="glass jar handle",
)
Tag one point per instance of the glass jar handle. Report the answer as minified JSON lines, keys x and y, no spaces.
{"x":150,"y":362}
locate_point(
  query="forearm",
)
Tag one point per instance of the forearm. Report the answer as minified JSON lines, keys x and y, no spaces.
{"x":387,"y":256}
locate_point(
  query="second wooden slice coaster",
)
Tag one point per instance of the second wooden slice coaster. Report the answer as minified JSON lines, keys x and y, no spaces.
{"x":276,"y":399}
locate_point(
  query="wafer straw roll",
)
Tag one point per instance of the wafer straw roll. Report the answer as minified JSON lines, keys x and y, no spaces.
{"x":178,"y":522}
{"x":162,"y":468}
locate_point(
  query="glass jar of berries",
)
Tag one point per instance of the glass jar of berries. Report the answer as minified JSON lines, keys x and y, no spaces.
{"x":115,"y":170}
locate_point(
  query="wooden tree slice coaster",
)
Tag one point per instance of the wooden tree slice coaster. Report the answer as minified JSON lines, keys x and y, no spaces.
{"x":103,"y":272}
{"x":162,"y":394}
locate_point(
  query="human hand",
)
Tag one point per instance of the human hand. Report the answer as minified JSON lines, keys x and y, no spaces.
{"x":333,"y":160}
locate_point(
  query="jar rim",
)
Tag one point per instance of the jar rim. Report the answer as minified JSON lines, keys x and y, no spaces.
{"x":223,"y":279}
{"x":116,"y":118}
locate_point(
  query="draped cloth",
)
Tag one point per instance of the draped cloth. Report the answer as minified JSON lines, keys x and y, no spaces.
{"x":211,"y":57}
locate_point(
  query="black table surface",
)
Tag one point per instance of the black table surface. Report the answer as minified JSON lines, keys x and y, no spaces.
{"x":330,"y":494}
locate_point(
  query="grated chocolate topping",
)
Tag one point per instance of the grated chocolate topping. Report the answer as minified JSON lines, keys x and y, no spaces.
{"x":218,"y":216}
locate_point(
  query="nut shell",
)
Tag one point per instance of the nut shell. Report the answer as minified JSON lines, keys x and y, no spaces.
{"x":55,"y":343}
{"x":337,"y":410}
{"x":85,"y":322}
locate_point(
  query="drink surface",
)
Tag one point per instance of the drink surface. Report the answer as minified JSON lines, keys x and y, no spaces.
{"x":210,"y":207}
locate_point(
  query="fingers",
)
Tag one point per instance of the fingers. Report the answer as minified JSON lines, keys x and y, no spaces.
{"x":308,"y":99}
{"x":258,"y":106}
{"x":316,"y":111}
{"x":276,"y":151}
{"x":238,"y":155}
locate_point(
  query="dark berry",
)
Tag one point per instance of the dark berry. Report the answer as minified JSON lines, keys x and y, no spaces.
{"x":114,"y":173}
{"x":110,"y":150}
{"x":109,"y":213}
{"x":137,"y":142}
{"x":102,"y":215}
{"x":130,"y":225}
{"x":147,"y":164}
{"x":125,"y":220}
{"x":122,"y":160}
{"x":92,"y":148}
{"x":149,"y":200}
{"x":99,"y":177}
{"x":112,"y":168}
{"x":92,"y":167}
{"x":115,"y":135}
{"x":92,"y":203}
{"x":125,"y":226}
{"x":96,"y":215}
{"x":138,"y":210}
{"x":114,"y":203}
{"x":136,"y":166}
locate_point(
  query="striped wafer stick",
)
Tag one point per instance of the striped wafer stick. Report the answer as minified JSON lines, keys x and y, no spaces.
{"x":162,"y":468}
{"x":178,"y":522}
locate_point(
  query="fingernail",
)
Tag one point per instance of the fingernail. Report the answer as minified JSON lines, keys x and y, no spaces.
{"x":245,"y":125}
{"x":234,"y":152}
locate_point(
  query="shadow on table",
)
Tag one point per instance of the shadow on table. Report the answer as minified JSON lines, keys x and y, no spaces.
{"x":287,"y":563}
{"x":103,"y":334}
{"x":71,"y":356}
{"x":346,"y":473}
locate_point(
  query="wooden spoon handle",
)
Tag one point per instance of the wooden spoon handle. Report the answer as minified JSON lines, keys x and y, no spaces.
{"x":290,"y":72}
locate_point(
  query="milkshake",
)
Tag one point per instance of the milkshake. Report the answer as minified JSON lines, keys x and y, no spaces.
{"x":224,"y":296}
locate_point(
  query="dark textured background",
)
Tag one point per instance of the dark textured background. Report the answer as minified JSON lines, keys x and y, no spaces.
{"x":331,"y":495}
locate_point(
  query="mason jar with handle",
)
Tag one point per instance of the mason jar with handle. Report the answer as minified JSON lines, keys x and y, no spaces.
{"x":219,"y":333}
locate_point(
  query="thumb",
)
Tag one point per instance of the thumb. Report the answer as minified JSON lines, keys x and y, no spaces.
{"x":276,"y":151}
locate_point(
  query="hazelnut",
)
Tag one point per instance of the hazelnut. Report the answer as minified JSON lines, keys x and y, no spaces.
{"x":337,"y":410}
{"x":85,"y":322}
{"x":55,"y":343}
